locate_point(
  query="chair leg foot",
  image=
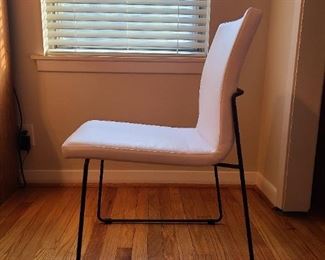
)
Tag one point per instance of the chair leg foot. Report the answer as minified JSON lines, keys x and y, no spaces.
{"x":82,"y":208}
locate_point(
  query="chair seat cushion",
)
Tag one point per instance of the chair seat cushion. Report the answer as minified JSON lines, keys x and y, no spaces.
{"x":121,"y":141}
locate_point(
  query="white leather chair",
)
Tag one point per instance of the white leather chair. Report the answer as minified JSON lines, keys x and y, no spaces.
{"x":206,"y":144}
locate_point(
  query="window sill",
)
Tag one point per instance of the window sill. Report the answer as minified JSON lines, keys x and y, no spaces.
{"x":119,"y":64}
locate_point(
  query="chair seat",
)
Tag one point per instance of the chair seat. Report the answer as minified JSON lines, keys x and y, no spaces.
{"x":122,"y":141}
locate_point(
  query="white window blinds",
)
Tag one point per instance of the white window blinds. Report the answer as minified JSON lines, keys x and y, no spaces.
{"x":126,"y":26}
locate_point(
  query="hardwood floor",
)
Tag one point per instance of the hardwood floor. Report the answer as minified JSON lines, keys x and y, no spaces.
{"x":41,"y":223}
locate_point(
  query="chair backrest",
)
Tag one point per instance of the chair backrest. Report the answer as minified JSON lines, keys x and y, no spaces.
{"x":220,"y":79}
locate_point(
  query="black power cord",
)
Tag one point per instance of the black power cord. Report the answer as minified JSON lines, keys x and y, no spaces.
{"x":22,"y":181}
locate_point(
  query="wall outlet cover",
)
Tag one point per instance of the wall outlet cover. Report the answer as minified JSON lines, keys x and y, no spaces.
{"x":30,"y":129}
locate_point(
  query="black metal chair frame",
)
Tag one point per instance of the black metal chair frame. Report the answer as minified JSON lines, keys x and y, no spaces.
{"x":239,"y":166}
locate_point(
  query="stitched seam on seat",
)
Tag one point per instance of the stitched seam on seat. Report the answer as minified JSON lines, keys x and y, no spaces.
{"x":132,"y":149}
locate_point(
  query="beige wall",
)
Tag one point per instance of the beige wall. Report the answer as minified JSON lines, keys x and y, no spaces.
{"x":277,"y":96}
{"x":57,"y":103}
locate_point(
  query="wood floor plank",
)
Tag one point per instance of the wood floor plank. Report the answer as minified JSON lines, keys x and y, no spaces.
{"x":53,"y":244}
{"x":283,"y":230}
{"x":221,"y":230}
{"x":315,"y":237}
{"x":260,"y":247}
{"x":273,"y":230}
{"x":90,"y":218}
{"x":41,"y":223}
{"x":235,"y":207}
{"x":15,"y":214}
{"x":10,"y":204}
{"x":319,"y":220}
{"x":66,"y":237}
{"x":168,"y":233}
{"x":42,"y":228}
{"x":182,"y":233}
{"x":129,"y":202}
{"x":140,"y":239}
{"x":118,"y":235}
{"x":154,"y":241}
{"x":124,"y":254}
{"x":97,"y":238}
{"x":234,"y":222}
{"x":200,"y":234}
{"x":17,"y":238}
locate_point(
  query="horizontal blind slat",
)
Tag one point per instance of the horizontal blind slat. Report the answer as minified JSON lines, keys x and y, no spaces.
{"x":99,"y":51}
{"x":150,"y":26}
{"x":118,"y":43}
{"x":124,"y":18}
{"x":126,"y":34}
{"x":202,"y":3}
{"x":124,"y":9}
{"x":127,"y":26}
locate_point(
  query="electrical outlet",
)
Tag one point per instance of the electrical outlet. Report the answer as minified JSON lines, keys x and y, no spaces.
{"x":30,"y":129}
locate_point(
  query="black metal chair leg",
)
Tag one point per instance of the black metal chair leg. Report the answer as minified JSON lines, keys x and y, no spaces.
{"x":246,"y":213}
{"x":211,"y":221}
{"x":216,"y":175}
{"x":82,"y":208}
{"x":100,"y":192}
{"x":242,"y":174}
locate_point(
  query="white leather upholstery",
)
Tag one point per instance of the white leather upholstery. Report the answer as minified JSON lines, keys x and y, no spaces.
{"x":208,"y":143}
{"x":220,"y":79}
{"x":138,"y":142}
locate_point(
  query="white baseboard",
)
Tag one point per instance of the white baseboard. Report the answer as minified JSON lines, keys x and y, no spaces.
{"x":138,"y":176}
{"x":267,"y":188}
{"x":153,"y":176}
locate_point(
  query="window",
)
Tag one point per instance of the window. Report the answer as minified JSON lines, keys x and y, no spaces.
{"x":126,"y":26}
